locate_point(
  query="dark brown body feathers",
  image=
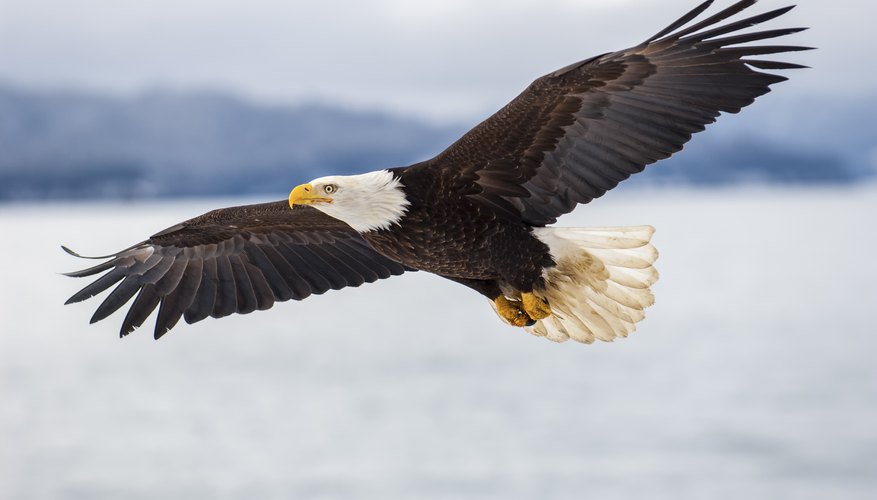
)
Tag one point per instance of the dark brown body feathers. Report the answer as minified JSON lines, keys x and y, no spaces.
{"x":446,"y":232}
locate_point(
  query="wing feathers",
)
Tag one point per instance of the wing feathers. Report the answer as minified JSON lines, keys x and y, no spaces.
{"x":102,"y":283}
{"x":156,"y":272}
{"x":297,"y":286}
{"x":246,"y":294}
{"x":146,"y":302}
{"x":577,"y":132}
{"x":171,"y":278}
{"x":116,"y":299}
{"x":205,"y":297}
{"x":278,"y":285}
{"x":263,"y":293}
{"x":226,"y":289}
{"x":750,"y":37}
{"x":174,"y":304}
{"x":682,"y":21}
{"x":305,"y":264}
{"x":739,"y":52}
{"x":91,"y":270}
{"x":760,"y":64}
{"x":360,"y":263}
{"x":321,"y":260}
{"x":234,"y":260}
{"x":716,"y":18}
{"x":742,"y":24}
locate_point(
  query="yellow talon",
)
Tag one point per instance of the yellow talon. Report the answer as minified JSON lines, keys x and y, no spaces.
{"x":535,"y":307}
{"x":511,"y":311}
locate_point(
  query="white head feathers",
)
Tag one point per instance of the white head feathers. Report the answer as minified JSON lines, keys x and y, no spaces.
{"x":366,"y":202}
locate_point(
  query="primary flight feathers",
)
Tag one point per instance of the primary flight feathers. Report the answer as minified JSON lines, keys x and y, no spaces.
{"x":476,"y":213}
{"x":233,"y":260}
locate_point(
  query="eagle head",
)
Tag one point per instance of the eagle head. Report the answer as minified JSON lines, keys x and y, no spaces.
{"x":366,"y":202}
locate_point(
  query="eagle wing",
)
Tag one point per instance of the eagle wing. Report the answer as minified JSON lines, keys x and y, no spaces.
{"x":233,"y":260}
{"x":576,"y":133}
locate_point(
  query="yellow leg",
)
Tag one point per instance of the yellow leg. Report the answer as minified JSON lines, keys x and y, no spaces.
{"x":535,"y":307}
{"x":512,"y":311}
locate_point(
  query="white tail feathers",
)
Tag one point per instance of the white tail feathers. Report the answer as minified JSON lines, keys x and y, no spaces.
{"x":599,"y":288}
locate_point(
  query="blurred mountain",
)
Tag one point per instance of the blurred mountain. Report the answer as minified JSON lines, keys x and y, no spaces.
{"x":74,"y":144}
{"x":796,"y":140}
{"x":164,"y":143}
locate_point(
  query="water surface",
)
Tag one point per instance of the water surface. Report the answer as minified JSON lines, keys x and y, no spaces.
{"x":753,"y":376}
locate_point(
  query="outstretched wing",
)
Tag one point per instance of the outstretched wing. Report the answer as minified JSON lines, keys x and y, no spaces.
{"x":233,"y":260}
{"x":576,"y":133}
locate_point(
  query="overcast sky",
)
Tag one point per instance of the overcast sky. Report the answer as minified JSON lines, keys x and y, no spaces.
{"x":447,"y":59}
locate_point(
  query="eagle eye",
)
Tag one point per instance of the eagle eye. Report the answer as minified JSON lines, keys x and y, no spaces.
{"x":330,"y":188}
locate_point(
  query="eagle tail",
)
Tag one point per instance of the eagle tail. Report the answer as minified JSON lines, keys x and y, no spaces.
{"x":599,"y":288}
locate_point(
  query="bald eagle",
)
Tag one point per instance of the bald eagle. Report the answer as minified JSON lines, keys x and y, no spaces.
{"x":479,"y":212}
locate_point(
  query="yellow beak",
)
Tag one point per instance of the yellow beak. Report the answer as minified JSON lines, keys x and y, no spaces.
{"x":304,"y":195}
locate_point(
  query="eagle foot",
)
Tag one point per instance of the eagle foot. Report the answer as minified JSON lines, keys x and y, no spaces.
{"x":534,"y":306}
{"x":512,"y":312}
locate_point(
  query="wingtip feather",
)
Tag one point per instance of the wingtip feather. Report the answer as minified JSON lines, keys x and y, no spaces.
{"x":76,"y":254}
{"x":682,"y":21}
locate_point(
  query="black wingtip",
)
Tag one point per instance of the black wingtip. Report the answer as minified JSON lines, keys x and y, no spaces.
{"x":781,"y":11}
{"x":99,"y":257}
{"x":76,"y":254}
{"x":773,"y":65}
{"x":715,"y":18}
{"x":798,"y":29}
{"x":91,"y":271}
{"x":682,"y":21}
{"x":159,"y":332}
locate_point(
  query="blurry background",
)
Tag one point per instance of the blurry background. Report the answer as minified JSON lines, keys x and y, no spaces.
{"x":131,"y":99}
{"x":752,"y":376}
